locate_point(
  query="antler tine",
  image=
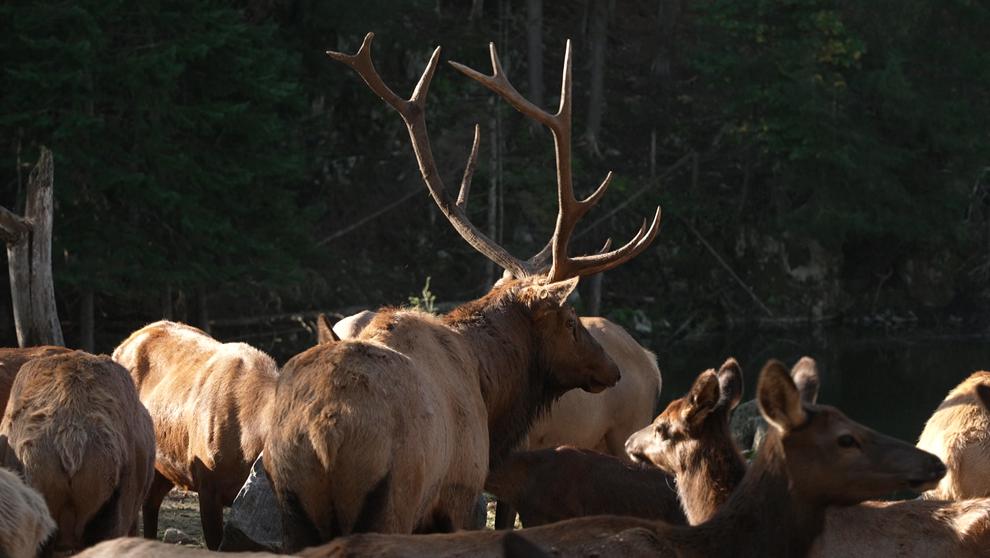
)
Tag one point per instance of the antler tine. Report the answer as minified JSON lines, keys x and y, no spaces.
{"x":589,"y":265}
{"x":413,"y":113}
{"x":462,"y":196}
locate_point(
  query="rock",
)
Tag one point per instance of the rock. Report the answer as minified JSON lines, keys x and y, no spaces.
{"x":175,"y":536}
{"x":255,"y":522}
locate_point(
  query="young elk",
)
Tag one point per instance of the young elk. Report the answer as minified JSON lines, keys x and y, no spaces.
{"x":708,"y":467}
{"x":209,"y":403}
{"x":748,"y":427}
{"x":959,"y":433}
{"x":76,"y":430}
{"x":550,"y":485}
{"x":813,"y":457}
{"x":395,"y":430}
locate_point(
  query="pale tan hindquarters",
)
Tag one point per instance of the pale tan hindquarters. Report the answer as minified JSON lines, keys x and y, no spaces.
{"x":209,"y":403}
{"x":395,"y":433}
{"x":24,"y":519}
{"x":78,"y":433}
{"x":142,"y":548}
{"x":959,"y":433}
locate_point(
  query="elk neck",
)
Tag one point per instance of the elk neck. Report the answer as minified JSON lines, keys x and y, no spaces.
{"x":499,"y":329}
{"x":763,"y":517}
{"x":711,"y":473}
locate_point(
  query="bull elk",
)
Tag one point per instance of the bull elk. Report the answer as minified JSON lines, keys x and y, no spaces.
{"x":959,"y":433}
{"x":395,"y":430}
{"x":691,"y":440}
{"x":805,"y":465}
{"x":76,"y":430}
{"x":209,"y":403}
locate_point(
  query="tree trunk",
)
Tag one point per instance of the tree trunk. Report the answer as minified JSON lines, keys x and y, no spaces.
{"x":595,"y":295}
{"x":477,"y":10}
{"x":168,"y":312}
{"x":598,"y":37}
{"x":29,"y":258}
{"x":87,"y":321}
{"x":202,"y":308}
{"x":534,"y":49}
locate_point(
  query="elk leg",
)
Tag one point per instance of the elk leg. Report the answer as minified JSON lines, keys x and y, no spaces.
{"x":505,"y":516}
{"x":211,"y":515}
{"x":159,"y":488}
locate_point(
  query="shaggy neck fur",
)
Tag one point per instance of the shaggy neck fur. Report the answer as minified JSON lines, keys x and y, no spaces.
{"x":711,"y":473}
{"x":516,"y":387}
{"x":763,"y":517}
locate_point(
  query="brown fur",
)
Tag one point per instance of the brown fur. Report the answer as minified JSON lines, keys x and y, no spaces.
{"x":142,"y":548}
{"x":690,"y":440}
{"x":603,"y":421}
{"x":394,"y":431}
{"x":777,"y":511}
{"x":707,"y":465}
{"x":959,"y":433}
{"x":24,"y":519}
{"x":11,"y":361}
{"x":550,"y":485}
{"x":76,"y":429}
{"x":209,"y":403}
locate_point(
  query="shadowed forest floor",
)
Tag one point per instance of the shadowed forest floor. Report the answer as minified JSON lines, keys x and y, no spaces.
{"x":180,"y":510}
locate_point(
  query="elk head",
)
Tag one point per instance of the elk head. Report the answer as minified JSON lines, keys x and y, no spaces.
{"x":692,"y":426}
{"x":839,"y":460}
{"x":565,"y":348}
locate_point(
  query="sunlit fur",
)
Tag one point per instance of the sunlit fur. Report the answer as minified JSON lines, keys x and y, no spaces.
{"x":77,"y":431}
{"x":209,"y":403}
{"x":24,"y":519}
{"x":603,"y":421}
{"x":394,"y":431}
{"x":959,"y":433}
{"x":707,"y":464}
{"x":777,"y":511}
{"x":11,"y":361}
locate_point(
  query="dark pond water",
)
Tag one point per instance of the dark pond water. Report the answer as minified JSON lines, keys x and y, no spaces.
{"x":890,"y":382}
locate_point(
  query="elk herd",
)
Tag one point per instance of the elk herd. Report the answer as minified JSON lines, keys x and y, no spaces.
{"x":380,"y":438}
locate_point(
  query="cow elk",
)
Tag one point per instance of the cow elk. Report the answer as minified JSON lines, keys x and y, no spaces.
{"x":24,"y":520}
{"x":812,"y":457}
{"x":959,"y":433}
{"x":75,"y":428}
{"x":11,"y":361}
{"x":708,"y":467}
{"x":143,"y":548}
{"x":550,"y":485}
{"x":209,"y":402}
{"x":395,"y":430}
{"x":748,"y":427}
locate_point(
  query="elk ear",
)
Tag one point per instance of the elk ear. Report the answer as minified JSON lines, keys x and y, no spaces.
{"x":778,"y":397}
{"x":805,"y":375}
{"x":730,"y":383}
{"x":324,"y":331}
{"x":554,"y":294}
{"x":702,"y":398}
{"x":983,"y":394}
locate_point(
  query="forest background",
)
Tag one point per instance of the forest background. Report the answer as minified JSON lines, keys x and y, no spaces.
{"x":816,"y":161}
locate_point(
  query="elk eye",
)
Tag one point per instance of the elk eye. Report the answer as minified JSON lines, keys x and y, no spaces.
{"x":663,"y":431}
{"x":847,"y":441}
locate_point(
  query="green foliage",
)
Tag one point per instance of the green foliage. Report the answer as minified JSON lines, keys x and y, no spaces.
{"x":426,"y":301}
{"x":171,"y":127}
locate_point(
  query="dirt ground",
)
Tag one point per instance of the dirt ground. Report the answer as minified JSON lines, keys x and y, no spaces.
{"x":180,"y":510}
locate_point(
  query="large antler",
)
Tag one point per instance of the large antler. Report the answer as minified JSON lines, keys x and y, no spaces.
{"x":571,"y":209}
{"x":413,"y":113}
